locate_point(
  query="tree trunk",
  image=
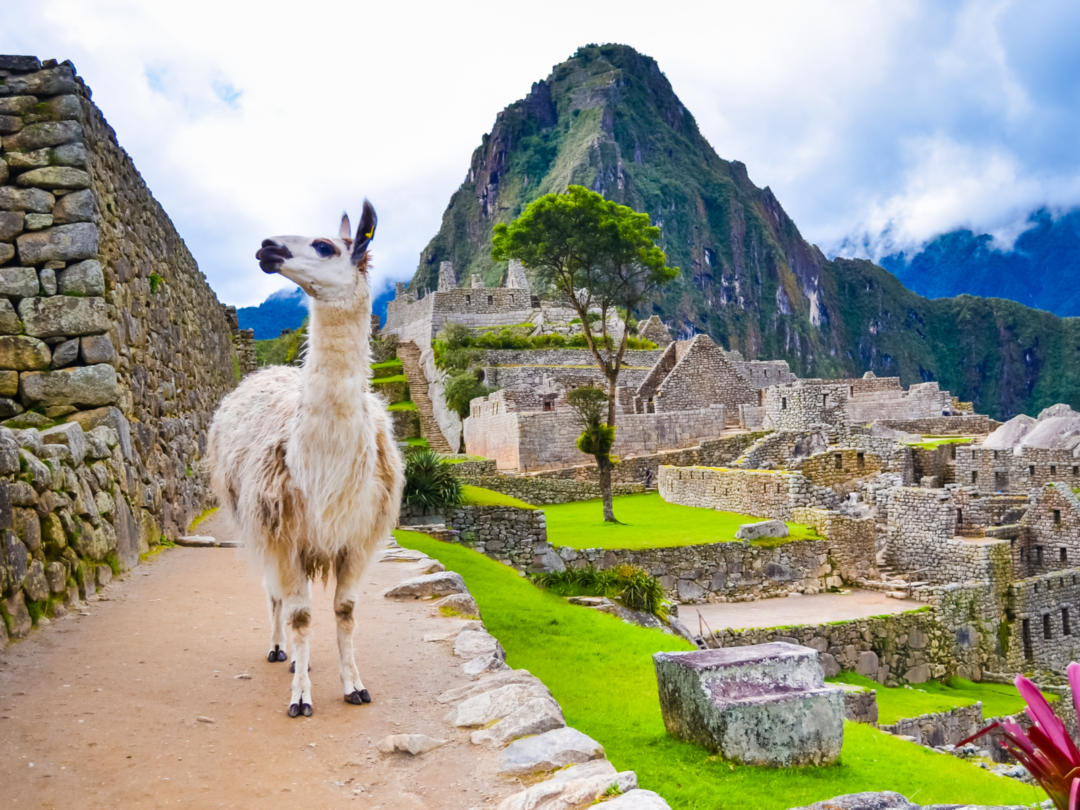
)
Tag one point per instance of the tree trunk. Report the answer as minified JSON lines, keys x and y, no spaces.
{"x":605,"y":489}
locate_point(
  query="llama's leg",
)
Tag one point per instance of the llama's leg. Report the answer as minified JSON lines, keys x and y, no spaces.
{"x":345,"y":599}
{"x":296,"y":607}
{"x":277,"y":622}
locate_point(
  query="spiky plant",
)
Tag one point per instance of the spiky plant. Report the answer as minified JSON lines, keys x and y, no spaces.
{"x":430,"y":483}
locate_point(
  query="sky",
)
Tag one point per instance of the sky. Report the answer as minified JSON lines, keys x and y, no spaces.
{"x":878,"y":125}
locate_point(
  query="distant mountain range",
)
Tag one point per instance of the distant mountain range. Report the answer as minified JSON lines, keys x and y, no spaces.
{"x":1041,"y":270}
{"x":286,"y":309}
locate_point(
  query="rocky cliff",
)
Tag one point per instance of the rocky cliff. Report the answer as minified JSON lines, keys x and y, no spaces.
{"x":609,"y":119}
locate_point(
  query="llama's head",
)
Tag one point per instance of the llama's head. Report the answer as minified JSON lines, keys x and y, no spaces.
{"x":326,"y":269}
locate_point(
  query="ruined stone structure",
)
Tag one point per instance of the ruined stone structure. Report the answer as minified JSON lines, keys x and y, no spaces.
{"x":105,"y":321}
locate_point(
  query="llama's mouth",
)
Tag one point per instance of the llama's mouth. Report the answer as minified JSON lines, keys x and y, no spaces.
{"x":272,"y":256}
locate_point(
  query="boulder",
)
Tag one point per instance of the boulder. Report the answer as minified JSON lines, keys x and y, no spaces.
{"x":764,"y":528}
{"x":63,"y":243}
{"x":21,"y":353}
{"x":46,"y":133}
{"x":53,"y":177}
{"x":16,"y":557}
{"x":885,"y":800}
{"x":471,"y":645}
{"x":486,"y":707}
{"x":18,"y":282}
{"x":764,"y":705}
{"x":637,"y":800}
{"x":461,"y":604}
{"x":484,"y":665}
{"x":82,"y":385}
{"x":84,"y":278}
{"x":62,"y":315}
{"x":21,"y":624}
{"x":576,"y":786}
{"x":36,"y":584}
{"x":513,"y":676}
{"x":536,"y":716}
{"x":428,"y":586}
{"x":31,"y":200}
{"x":56,"y":574}
{"x":549,"y":751}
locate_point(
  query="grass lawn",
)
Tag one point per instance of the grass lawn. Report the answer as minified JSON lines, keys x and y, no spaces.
{"x":997,"y":699}
{"x":601,"y":672}
{"x":933,"y":442}
{"x":478,"y":496}
{"x":648,"y":521}
{"x":417,"y":442}
{"x":388,"y":365}
{"x":396,"y":378}
{"x":463,"y":460}
{"x":403,"y":405}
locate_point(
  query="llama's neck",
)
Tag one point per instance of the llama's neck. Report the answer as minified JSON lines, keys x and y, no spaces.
{"x":336,"y":368}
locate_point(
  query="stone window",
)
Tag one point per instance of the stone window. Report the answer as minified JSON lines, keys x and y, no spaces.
{"x":1064,"y":555}
{"x":468,"y":299}
{"x":1076,"y":472}
{"x":995,"y":455}
{"x":783,"y":403}
{"x":861,"y":459}
{"x":1022,"y":555}
{"x":1057,"y":517}
{"x":1038,"y":556}
{"x":824,"y":400}
{"x":1026,"y":631}
{"x":1066,"y":630}
{"x":1053,"y":469}
{"x":1046,"y":626}
{"x":974,"y":476}
{"x":511,"y":298}
{"x":839,"y":461}
{"x":1031,"y":471}
{"x":959,"y":517}
{"x":491,"y":300}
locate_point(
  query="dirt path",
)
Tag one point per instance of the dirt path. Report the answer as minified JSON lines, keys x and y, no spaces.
{"x":795,"y":610}
{"x":103,"y":710}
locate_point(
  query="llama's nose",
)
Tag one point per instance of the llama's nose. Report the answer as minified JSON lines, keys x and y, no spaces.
{"x":272,"y":255}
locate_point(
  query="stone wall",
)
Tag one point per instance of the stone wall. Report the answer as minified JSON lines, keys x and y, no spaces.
{"x":702,"y":377}
{"x":547,"y":440}
{"x":64,"y":503}
{"x":1043,"y":631}
{"x":759,"y":493}
{"x":544,"y":491}
{"x":805,"y":404}
{"x":840,"y":465}
{"x":940,"y":728}
{"x":851,"y":540}
{"x":634,"y":358}
{"x":1049,"y":538}
{"x":504,"y":533}
{"x":109,"y":320}
{"x":1003,"y":471}
{"x":959,"y":425}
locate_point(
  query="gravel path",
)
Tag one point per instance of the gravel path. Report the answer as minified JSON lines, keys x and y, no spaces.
{"x":139,"y":704}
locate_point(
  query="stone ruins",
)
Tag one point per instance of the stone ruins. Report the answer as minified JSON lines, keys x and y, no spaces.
{"x":114,"y":351}
{"x":910,"y":490}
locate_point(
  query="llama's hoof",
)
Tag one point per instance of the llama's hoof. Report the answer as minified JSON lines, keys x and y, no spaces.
{"x":292,"y":667}
{"x":358,"y":697}
{"x":301,"y":708}
{"x":277,"y":654}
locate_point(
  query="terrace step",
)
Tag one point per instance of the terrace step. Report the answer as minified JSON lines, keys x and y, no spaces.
{"x":409,"y":354}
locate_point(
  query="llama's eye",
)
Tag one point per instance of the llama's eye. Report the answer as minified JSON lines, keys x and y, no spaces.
{"x":324,"y":249}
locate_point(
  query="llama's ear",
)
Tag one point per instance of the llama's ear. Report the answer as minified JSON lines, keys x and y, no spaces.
{"x":364,"y":233}
{"x":345,"y":231}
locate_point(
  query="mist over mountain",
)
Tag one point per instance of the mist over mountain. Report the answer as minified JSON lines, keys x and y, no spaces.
{"x":608,"y":119}
{"x":286,"y":309}
{"x":1041,"y":269}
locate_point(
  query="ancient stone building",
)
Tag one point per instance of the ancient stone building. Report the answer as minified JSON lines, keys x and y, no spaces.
{"x":105,"y":322}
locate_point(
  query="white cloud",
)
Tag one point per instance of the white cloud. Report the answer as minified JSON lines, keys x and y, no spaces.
{"x":252,"y":119}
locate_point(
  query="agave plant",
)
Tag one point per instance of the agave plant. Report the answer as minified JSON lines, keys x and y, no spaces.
{"x":1045,"y":749}
{"x":430,"y":483}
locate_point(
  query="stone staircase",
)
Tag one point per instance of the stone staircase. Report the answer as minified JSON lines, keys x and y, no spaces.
{"x":418,"y":388}
{"x":896,"y":585}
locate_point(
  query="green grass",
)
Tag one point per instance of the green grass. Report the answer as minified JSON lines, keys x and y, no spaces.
{"x":933,"y":442}
{"x":200,"y":518}
{"x":417,"y":442}
{"x":389,"y":364}
{"x":396,"y":378}
{"x":403,"y":405}
{"x":463,"y":460}
{"x":601,"y":672}
{"x":893,"y":704}
{"x":648,"y":521}
{"x":478,"y":496}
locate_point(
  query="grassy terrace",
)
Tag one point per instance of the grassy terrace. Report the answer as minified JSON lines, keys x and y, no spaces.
{"x":601,"y":672}
{"x":395,"y":378}
{"x":934,"y":442}
{"x":648,"y":521}
{"x":403,"y":405}
{"x":394,"y":365}
{"x":893,"y":704}
{"x":478,"y":496}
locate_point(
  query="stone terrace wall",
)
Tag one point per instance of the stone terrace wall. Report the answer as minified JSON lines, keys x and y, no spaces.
{"x":840,"y":465}
{"x":1000,"y":470}
{"x":940,"y":728}
{"x":965,"y":425}
{"x":748,"y":492}
{"x":504,"y":533}
{"x":543,"y":491}
{"x":109,"y":320}
{"x":851,"y":540}
{"x":634,"y":358}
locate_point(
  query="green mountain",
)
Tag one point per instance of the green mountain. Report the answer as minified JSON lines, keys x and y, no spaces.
{"x":608,"y":119}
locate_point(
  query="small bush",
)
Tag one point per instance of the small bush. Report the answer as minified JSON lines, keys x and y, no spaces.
{"x":633,"y":587}
{"x":430,"y":483}
{"x":461,"y":389}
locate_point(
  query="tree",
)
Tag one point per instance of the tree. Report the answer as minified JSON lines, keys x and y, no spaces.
{"x":597,"y":436}
{"x":601,"y":256}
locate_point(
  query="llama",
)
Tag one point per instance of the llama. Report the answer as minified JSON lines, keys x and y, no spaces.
{"x":304,"y":458}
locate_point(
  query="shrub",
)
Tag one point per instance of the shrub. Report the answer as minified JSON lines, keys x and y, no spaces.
{"x":461,"y":389}
{"x":632,"y":587}
{"x":430,"y":483}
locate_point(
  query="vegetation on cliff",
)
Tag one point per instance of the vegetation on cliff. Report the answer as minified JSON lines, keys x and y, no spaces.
{"x":609,"y":120}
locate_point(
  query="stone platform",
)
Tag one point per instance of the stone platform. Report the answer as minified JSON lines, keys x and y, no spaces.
{"x":764,"y":705}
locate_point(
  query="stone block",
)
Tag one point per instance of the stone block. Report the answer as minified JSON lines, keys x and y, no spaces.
{"x":97,"y":349}
{"x":21,"y":353}
{"x":66,"y":353}
{"x":64,"y":243}
{"x":78,"y":206}
{"x":102,"y":575}
{"x":764,"y":705}
{"x":7,"y":252}
{"x":549,"y":751}
{"x":918,"y":674}
{"x":427,"y":586}
{"x":21,"y":625}
{"x":36,"y":585}
{"x":867,"y":665}
{"x":70,"y":434}
{"x":18,"y":282}
{"x":32,"y":200}
{"x":47,"y":133}
{"x":11,"y":224}
{"x":53,"y":177}
{"x":47,"y":278}
{"x":19,"y":64}
{"x":79,"y":386}
{"x":55,"y":81}
{"x":111,"y":418}
{"x":63,"y":315}
{"x":16,"y":558}
{"x":58,"y":108}
{"x":28,"y":526}
{"x":764,"y":528}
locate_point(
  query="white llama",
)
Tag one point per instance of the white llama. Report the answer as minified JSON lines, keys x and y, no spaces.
{"x":304,"y":458}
